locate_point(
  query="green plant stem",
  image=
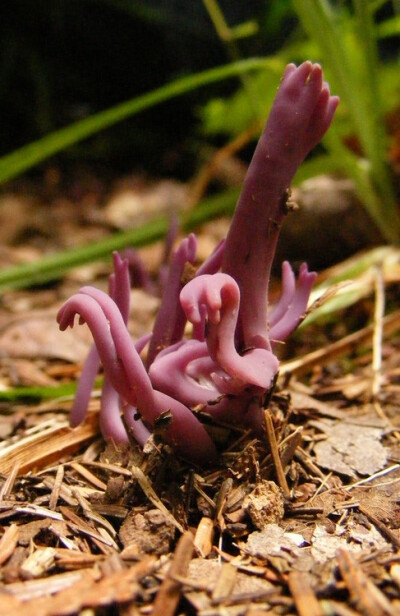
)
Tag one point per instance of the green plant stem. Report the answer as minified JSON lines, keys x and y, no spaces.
{"x":26,"y":157}
{"x":227,"y":36}
{"x":223,"y":30}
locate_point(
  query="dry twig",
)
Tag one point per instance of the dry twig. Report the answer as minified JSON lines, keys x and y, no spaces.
{"x":303,"y":596}
{"x":168,"y":596}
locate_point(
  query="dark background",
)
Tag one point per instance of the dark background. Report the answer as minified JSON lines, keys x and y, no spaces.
{"x":62,"y":60}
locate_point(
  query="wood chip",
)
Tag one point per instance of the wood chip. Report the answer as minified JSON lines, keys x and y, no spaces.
{"x":85,"y":589}
{"x":55,"y":493}
{"x":168,"y":596}
{"x":275,"y":454}
{"x":38,"y":563}
{"x":203,"y":540}
{"x":78,"y":525}
{"x":46,"y":445}
{"x":9,"y":482}
{"x":303,"y":595}
{"x":386,"y":532}
{"x":34,"y":589}
{"x":152,"y":496}
{"x":8,"y":542}
{"x":89,"y":476}
{"x":364,"y":594}
{"x":225,"y":584}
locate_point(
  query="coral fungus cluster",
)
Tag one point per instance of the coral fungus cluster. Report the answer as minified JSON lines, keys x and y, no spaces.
{"x":228,"y":366}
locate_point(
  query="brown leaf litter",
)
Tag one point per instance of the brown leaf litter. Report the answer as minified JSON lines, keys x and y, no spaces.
{"x":89,"y":527}
{"x":306,"y":521}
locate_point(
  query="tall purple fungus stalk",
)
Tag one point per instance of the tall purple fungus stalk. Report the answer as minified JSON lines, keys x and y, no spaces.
{"x":227,"y":367}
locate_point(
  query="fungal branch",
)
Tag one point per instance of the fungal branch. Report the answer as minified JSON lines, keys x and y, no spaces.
{"x":227,"y":366}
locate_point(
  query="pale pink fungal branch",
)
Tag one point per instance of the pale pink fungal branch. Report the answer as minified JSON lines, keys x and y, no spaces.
{"x":295,"y":307}
{"x":170,"y":321}
{"x":85,"y":387}
{"x":301,"y":113}
{"x":127,"y":375}
{"x":218,"y":296}
{"x":227,"y":368}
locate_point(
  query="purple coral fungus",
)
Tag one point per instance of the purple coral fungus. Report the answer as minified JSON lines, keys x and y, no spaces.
{"x":228,"y":366}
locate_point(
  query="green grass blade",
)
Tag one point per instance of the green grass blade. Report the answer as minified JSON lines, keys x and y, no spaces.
{"x":375,"y":140}
{"x":381,"y":208}
{"x":52,"y":267}
{"x":26,"y":157}
{"x":35,"y":394}
{"x":389,"y":27}
{"x":348,"y":49}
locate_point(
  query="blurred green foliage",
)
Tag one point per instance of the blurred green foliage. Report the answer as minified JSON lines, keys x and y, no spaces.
{"x":66,"y":60}
{"x":27,"y":156}
{"x":62,"y":61}
{"x":348,"y":38}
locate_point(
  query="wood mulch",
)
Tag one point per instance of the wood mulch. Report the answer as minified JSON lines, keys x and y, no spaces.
{"x":305,"y":522}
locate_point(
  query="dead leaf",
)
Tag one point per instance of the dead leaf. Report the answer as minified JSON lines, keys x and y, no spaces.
{"x":36,"y":334}
{"x":351,"y":449}
{"x":272,"y":540}
{"x":352,"y":537}
{"x":133,"y":205}
{"x":207,"y":573}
